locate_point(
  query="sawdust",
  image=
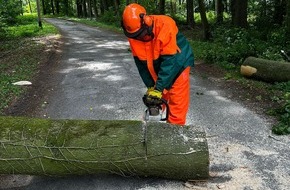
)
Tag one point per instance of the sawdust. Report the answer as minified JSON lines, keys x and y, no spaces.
{"x":237,"y":171}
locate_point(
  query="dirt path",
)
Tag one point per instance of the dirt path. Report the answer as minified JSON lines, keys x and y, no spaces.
{"x":96,"y":78}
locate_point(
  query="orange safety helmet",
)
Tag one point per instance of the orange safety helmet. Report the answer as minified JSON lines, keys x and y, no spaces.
{"x":135,"y":21}
{"x":131,"y":17}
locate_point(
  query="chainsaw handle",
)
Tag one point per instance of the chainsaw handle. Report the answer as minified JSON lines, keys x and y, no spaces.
{"x":167,"y":110}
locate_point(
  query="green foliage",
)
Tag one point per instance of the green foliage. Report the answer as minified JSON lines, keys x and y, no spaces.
{"x":283,"y":86}
{"x":9,"y":10}
{"x":27,"y":26}
{"x":283,"y":113}
{"x":27,"y":8}
{"x":201,"y":48}
{"x":19,"y":56}
{"x":233,"y":45}
{"x":19,"y":66}
{"x":283,"y":127}
{"x":2,"y":28}
{"x":110,"y":17}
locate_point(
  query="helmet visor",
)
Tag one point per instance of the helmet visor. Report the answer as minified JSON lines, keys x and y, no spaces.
{"x":134,"y":34}
{"x":142,"y":34}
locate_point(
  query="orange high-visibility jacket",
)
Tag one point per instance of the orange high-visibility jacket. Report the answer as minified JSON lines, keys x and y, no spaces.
{"x":161,"y":60}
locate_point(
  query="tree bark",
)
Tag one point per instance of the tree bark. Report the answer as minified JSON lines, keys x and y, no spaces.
{"x":90,"y":9}
{"x":205,"y":24}
{"x":95,"y":8}
{"x":240,"y":13}
{"x":266,"y":70}
{"x":219,"y":8}
{"x":288,"y":20}
{"x":43,"y":7}
{"x":279,"y":11}
{"x":190,"y":13}
{"x":65,"y":147}
{"x":162,"y":7}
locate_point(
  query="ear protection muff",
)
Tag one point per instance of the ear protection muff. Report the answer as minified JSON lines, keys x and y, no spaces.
{"x":148,"y":22}
{"x":146,"y":19}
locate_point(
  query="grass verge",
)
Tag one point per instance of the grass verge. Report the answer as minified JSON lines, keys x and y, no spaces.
{"x":20,"y":56}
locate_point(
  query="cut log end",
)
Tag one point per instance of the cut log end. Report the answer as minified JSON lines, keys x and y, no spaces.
{"x":248,"y":70}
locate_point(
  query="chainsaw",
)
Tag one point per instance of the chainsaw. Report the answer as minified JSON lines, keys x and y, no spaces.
{"x":153,"y":111}
{"x":156,"y":111}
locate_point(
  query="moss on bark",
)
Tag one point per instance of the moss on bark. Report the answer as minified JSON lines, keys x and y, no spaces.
{"x":267,"y":70}
{"x":75,"y":147}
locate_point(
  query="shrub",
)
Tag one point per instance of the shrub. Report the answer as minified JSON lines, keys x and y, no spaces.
{"x":283,"y":127}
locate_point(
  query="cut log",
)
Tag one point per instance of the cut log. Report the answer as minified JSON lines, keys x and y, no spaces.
{"x":266,"y":70}
{"x":34,"y":146}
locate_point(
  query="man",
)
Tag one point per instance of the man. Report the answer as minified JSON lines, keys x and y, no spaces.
{"x":163,"y":57}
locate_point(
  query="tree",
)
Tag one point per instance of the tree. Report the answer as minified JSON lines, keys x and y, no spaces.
{"x":52,"y":7}
{"x":30,"y":9}
{"x":190,"y":13}
{"x":239,"y":13}
{"x":206,"y":28}
{"x":219,"y":8}
{"x":9,"y":10}
{"x":90,"y":9}
{"x":279,"y":11}
{"x":288,"y":21}
{"x":161,"y":6}
{"x":95,"y":8}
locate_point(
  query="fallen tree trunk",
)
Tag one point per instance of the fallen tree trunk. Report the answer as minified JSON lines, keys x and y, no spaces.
{"x":266,"y":70}
{"x":64,"y":147}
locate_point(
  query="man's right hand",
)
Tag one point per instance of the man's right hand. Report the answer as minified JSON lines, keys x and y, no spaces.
{"x":152,"y":98}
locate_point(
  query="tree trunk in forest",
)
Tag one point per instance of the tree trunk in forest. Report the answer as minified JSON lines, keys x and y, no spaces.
{"x":117,"y":8}
{"x":279,"y":11}
{"x":240,"y":13}
{"x":162,"y":7}
{"x":76,"y":147}
{"x":232,"y":9}
{"x":79,"y":8}
{"x":43,"y":7}
{"x":219,"y":8}
{"x":85,"y":12}
{"x":190,"y":13}
{"x":52,"y":7}
{"x":266,"y":70}
{"x":206,"y":29}
{"x":90,"y":9}
{"x":29,"y":4}
{"x":172,"y":8}
{"x":96,"y":14}
{"x":288,"y":20}
{"x":105,"y":5}
{"x":57,"y":7}
{"x":66,"y":7}
{"x":102,"y":7}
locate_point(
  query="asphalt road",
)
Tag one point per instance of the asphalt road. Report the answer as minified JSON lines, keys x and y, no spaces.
{"x":97,"y":79}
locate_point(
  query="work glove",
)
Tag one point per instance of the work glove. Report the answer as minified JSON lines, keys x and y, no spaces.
{"x":152,"y":97}
{"x":150,"y":89}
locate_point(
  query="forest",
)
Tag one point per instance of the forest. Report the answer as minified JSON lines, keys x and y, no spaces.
{"x":224,"y":32}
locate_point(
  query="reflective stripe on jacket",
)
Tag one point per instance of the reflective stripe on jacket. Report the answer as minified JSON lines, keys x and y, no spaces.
{"x":169,"y":52}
